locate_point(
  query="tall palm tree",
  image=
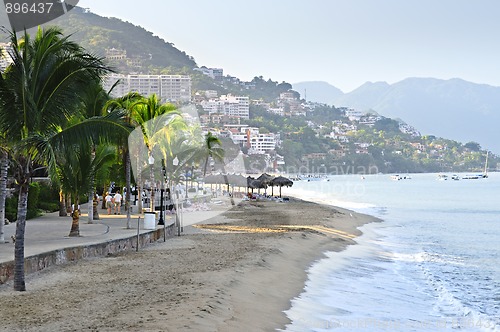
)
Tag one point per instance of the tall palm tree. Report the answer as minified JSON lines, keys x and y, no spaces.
{"x":38,"y":95}
{"x":126,"y":103}
{"x":154,"y":119}
{"x":93,"y":99}
{"x":211,"y":149}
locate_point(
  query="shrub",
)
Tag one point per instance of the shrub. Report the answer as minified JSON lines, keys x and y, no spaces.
{"x":33,"y":196}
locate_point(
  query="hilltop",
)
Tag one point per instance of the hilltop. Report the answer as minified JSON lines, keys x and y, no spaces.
{"x":453,"y":108}
{"x":97,"y":33}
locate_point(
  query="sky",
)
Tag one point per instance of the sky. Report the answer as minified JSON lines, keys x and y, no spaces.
{"x":343,"y":42}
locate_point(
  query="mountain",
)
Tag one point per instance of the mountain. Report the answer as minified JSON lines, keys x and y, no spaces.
{"x":97,"y":33}
{"x":364,"y":97}
{"x":453,"y":108}
{"x":321,"y":92}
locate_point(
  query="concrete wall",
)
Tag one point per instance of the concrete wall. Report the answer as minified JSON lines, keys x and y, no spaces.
{"x":62,"y":256}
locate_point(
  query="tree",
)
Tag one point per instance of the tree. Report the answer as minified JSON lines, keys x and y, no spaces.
{"x":211,"y":149}
{"x":38,"y":95}
{"x":155,"y":119}
{"x":77,"y":168}
{"x":473,"y":146}
{"x":127,"y":104}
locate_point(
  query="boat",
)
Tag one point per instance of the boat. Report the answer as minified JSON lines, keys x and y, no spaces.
{"x":398,"y":177}
{"x":485,"y":172}
{"x":483,"y":175}
{"x":442,"y":177}
{"x":455,"y":177}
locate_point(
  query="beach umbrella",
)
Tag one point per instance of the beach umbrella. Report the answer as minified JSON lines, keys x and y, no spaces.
{"x":281,"y":181}
{"x":237,"y":180}
{"x":265,"y":180}
{"x":215,"y":179}
{"x":252,"y":183}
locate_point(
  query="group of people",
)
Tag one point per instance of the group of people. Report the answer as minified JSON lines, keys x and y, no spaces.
{"x":113,"y":202}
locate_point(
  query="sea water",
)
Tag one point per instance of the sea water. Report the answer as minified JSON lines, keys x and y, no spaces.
{"x":433,"y":263}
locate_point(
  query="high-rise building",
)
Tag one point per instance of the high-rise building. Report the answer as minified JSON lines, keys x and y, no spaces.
{"x":171,"y":88}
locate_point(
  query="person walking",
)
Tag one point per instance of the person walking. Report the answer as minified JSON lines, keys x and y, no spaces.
{"x":109,"y":202}
{"x":118,"y":202}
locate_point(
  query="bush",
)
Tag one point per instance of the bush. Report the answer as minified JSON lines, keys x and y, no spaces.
{"x":41,"y":196}
{"x":49,"y":207}
{"x":48,"y":194}
{"x":33,"y":196}
{"x":11,"y":208}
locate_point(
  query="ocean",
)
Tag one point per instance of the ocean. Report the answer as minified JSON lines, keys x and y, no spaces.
{"x":432,"y":264}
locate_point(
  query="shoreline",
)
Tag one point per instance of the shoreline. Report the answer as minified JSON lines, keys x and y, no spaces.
{"x":213,"y":278}
{"x":307,"y":248}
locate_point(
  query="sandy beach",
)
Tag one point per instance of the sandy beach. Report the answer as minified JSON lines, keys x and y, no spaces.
{"x":237,"y":271}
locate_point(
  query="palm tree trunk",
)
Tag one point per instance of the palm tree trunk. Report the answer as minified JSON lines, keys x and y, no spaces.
{"x":4,"y":166}
{"x":90,"y":207}
{"x":62,"y":204}
{"x":103,"y":204}
{"x":139,"y":187}
{"x":68,"y":203}
{"x":75,"y":224}
{"x":205,"y":168}
{"x":95,"y":212}
{"x":153,"y":187}
{"x":127,"y":184}
{"x":22,"y":209}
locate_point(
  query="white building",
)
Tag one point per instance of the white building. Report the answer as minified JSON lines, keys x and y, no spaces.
{"x":172,"y":88}
{"x":215,"y":73}
{"x":116,"y":54}
{"x":277,"y":110}
{"x":212,"y":106}
{"x":5,"y":59}
{"x":238,"y":106}
{"x":263,"y":143}
{"x":354,"y":115}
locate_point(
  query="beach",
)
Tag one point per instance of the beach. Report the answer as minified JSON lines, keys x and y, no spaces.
{"x":236,"y":271}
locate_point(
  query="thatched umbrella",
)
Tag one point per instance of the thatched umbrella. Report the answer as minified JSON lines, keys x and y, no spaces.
{"x":214,"y":179}
{"x":265,"y":180}
{"x":281,"y":181}
{"x":252,"y":183}
{"x":236,"y":180}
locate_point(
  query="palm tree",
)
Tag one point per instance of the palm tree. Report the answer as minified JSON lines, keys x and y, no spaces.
{"x":127,"y":104}
{"x":77,"y":167}
{"x":154,"y":120}
{"x":93,"y":100}
{"x":38,"y":95}
{"x":212,"y":149}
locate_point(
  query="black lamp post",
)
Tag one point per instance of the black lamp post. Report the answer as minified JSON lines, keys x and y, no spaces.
{"x":186,"y":179}
{"x":161,"y":221}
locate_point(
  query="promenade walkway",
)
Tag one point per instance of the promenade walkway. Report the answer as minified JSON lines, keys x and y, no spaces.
{"x":50,"y":232}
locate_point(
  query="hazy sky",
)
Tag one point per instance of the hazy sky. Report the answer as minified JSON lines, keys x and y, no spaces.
{"x":343,"y":42}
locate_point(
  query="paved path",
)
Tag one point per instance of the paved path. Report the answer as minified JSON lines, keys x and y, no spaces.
{"x":50,"y":232}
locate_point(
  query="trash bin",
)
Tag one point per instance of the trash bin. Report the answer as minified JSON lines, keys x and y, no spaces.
{"x":149,"y":220}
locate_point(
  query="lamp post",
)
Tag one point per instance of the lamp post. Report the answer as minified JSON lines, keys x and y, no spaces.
{"x":151,"y":162}
{"x":175,"y":162}
{"x":161,"y":221}
{"x":186,"y":180}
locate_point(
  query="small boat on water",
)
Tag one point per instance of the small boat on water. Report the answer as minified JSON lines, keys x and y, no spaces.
{"x":442,"y":177}
{"x":398,"y":177}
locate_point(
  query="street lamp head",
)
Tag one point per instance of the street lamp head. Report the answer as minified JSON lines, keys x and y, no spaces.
{"x":151,"y":160}
{"x":175,"y":162}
